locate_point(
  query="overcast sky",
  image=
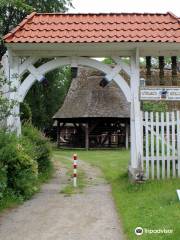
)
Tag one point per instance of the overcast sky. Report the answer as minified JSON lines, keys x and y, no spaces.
{"x":161,"y":6}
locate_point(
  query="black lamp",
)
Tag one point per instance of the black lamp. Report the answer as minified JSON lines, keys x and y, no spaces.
{"x":44,"y":81}
{"x":74,"y":71}
{"x":104,"y":82}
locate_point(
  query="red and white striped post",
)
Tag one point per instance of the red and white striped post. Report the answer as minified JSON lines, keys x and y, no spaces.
{"x":75,"y":170}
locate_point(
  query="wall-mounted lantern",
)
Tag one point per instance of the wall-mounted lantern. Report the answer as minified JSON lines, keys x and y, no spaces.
{"x":74,"y":71}
{"x":44,"y":81}
{"x":104,"y":82}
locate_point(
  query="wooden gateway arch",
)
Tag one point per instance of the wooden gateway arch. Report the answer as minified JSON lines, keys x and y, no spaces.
{"x":80,"y":39}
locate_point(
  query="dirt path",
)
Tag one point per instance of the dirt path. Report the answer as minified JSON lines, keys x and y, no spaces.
{"x":52,"y":216}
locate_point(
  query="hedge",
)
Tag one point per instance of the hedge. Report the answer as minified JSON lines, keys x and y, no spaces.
{"x":22,"y":160}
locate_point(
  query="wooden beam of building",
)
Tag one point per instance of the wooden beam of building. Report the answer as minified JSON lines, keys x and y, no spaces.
{"x":174,"y":70}
{"x":127,"y":136}
{"x":161,"y":70}
{"x":148,"y":69}
{"x":58,"y":133}
{"x":87,"y":136}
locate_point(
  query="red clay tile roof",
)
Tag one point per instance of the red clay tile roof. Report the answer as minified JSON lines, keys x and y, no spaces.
{"x":83,"y":28}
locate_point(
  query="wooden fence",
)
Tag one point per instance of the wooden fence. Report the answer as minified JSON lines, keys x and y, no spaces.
{"x":161,"y":144}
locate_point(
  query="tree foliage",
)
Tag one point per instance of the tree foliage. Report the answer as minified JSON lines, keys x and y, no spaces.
{"x":12,"y":13}
{"x":42,"y":101}
{"x":154,"y":106}
{"x":45,"y":100}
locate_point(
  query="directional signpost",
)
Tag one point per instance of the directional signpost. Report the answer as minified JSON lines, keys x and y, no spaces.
{"x":160,"y":93}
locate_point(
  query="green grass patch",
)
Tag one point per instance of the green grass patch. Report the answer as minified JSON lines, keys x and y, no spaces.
{"x":151,"y":205}
{"x":68,"y":190}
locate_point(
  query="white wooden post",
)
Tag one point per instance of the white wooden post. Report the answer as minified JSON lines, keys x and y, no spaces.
{"x":157,"y":146}
{"x":13,"y":121}
{"x":152,"y":144}
{"x":173,"y":146}
{"x":136,"y":135}
{"x":147,"y":143}
{"x":178,"y":141}
{"x":163,"y":144}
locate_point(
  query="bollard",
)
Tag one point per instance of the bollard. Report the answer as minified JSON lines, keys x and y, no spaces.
{"x":75,"y":170}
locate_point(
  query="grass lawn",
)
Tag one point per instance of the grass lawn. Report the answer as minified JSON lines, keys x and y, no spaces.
{"x":152,"y":205}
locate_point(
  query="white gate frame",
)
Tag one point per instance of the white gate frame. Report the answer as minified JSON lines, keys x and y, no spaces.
{"x":14,"y":70}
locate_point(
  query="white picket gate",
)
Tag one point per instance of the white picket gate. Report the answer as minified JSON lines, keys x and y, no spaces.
{"x":161,"y":144}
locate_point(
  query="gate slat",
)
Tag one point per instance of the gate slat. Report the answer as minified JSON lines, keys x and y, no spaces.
{"x":168,"y":144}
{"x":178,"y":141}
{"x":142,"y":137}
{"x":147,"y":144}
{"x":173,"y":147}
{"x":152,"y":145}
{"x":157,"y":144}
{"x":162,"y":145}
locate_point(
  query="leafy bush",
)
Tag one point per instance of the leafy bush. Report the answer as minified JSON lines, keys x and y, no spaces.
{"x":21,"y":168}
{"x":41,"y":147}
{"x":3,"y":180}
{"x":154,"y":106}
{"x":26,"y":114}
{"x":24,"y":163}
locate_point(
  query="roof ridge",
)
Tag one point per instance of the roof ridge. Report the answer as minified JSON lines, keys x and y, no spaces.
{"x":105,"y":13}
{"x":20,"y":25}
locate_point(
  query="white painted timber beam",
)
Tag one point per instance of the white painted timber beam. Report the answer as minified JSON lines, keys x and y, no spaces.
{"x":24,"y":66}
{"x":83,"y":61}
{"x":13,"y":120}
{"x":35,"y":72}
{"x":5,"y":64}
{"x":136,"y":138}
{"x":123,"y":65}
{"x":113,"y":72}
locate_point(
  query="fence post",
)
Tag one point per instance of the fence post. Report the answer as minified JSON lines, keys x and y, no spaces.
{"x":178,"y":142}
{"x":152,"y":144}
{"x":168,"y":143}
{"x":147,"y":143}
{"x":173,"y":145}
{"x":157,"y":146}
{"x":162,"y":145}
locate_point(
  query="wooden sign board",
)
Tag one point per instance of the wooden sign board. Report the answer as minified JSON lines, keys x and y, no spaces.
{"x":160,"y":93}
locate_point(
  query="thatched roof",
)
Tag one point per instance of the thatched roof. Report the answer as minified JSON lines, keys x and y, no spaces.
{"x":86,"y":99}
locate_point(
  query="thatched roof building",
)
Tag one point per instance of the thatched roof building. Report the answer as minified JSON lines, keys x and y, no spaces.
{"x":94,"y":110}
{"x":87,"y":99}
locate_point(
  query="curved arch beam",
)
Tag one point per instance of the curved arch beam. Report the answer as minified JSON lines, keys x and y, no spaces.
{"x":24,"y":66}
{"x":55,"y":63}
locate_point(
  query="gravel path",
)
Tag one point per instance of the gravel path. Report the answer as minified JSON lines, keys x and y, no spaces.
{"x":50,"y":215}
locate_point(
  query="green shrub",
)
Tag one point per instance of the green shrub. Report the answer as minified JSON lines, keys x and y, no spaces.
{"x":24,"y":163}
{"x":21,"y":168}
{"x":154,"y":106}
{"x":26,"y":114}
{"x":41,"y":147}
{"x":3,"y":180}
